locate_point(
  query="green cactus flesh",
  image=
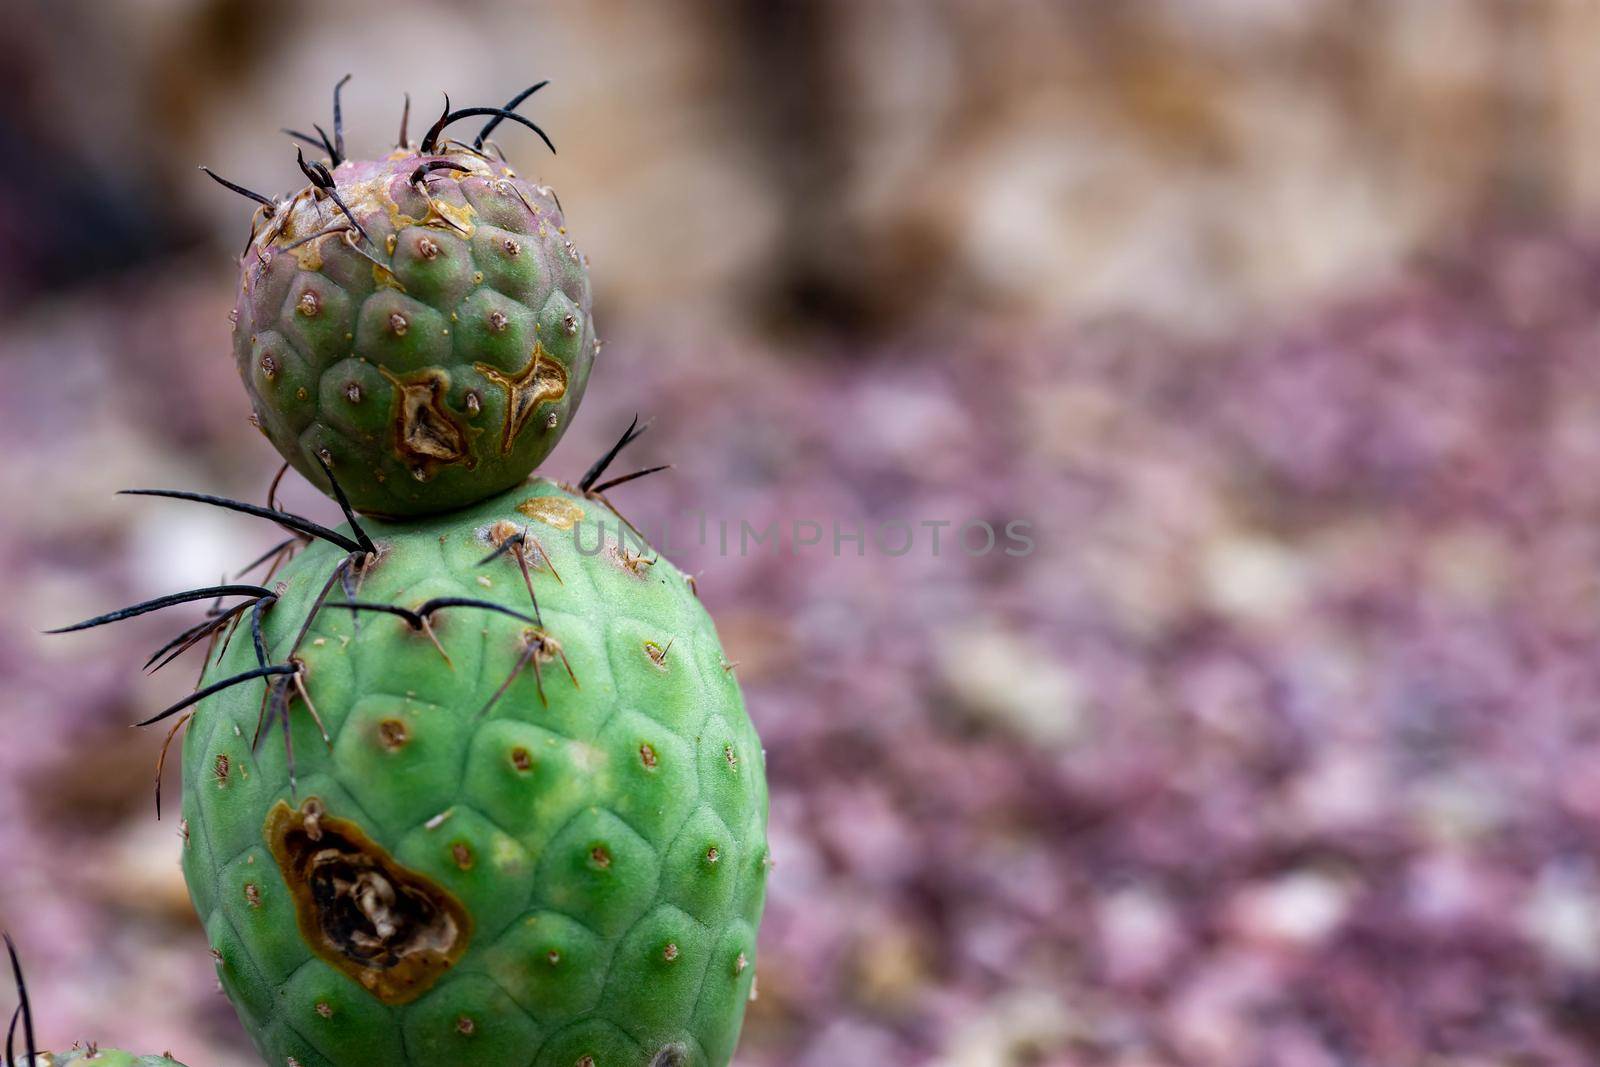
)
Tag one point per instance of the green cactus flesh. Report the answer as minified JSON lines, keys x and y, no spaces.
{"x":96,"y":1057}
{"x":568,"y":870}
{"x":433,"y":357}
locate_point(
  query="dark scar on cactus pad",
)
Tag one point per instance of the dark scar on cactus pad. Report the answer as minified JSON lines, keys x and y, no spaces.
{"x":391,"y":929}
{"x":542,"y":379}
{"x":423,"y":429}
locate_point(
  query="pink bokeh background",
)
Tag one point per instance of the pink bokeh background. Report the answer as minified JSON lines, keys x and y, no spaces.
{"x":1279,"y":322}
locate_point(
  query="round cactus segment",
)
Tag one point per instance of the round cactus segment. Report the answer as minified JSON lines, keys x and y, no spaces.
{"x":535,"y":831}
{"x":420,"y":323}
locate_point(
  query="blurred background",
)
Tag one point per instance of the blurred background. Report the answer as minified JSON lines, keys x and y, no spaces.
{"x":1279,"y":320}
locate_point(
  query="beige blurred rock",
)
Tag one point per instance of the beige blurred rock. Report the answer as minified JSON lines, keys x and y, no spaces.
{"x":1562,"y":917}
{"x":139,"y":869}
{"x":1254,"y":579}
{"x":1196,"y":162}
{"x":1139,"y":933}
{"x":1296,"y":910}
{"x":890,"y":968}
{"x":1469,"y":567}
{"x":1013,"y":1027}
{"x":1010,"y":683}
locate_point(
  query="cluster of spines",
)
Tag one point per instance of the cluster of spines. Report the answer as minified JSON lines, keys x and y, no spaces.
{"x":285,"y":678}
{"x":320,"y":174}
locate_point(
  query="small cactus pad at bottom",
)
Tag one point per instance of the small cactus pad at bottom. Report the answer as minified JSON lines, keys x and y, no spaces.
{"x":93,"y":1057}
{"x":505,"y":831}
{"x":20,"y":1050}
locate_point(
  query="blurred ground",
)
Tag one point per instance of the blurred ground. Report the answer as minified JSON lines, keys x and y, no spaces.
{"x":1279,"y":320}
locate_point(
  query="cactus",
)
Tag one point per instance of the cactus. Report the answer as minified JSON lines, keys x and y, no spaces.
{"x":420,"y":323}
{"x":79,"y":1055}
{"x":518,"y":812}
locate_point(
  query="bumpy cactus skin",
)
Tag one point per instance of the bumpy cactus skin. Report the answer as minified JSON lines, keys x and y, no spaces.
{"x":573,"y":880}
{"x":433,"y":361}
{"x":105,"y":1057}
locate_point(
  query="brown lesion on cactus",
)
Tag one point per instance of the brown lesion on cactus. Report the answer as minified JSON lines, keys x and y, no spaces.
{"x":392,"y":734}
{"x":389,"y":928}
{"x":542,"y":379}
{"x":425,"y":433}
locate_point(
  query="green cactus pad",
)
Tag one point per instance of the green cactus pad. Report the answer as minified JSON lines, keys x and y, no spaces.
{"x":92,"y":1057}
{"x":570,"y":864}
{"x":433,"y":357}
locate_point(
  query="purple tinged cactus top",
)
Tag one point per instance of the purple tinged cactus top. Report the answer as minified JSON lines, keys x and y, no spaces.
{"x":420,"y":323}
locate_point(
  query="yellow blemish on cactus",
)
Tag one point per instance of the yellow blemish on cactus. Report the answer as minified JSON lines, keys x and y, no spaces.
{"x":555,"y":511}
{"x":309,"y":255}
{"x":385,"y":278}
{"x":463,"y":218}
